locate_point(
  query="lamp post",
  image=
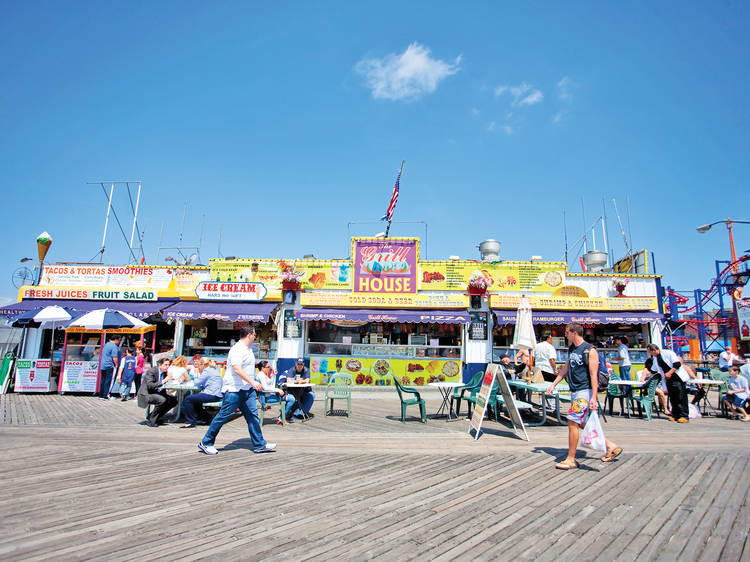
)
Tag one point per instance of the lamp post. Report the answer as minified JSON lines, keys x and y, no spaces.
{"x":730,"y":225}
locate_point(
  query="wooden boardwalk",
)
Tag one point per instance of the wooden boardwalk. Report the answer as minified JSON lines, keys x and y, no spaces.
{"x":83,"y":479}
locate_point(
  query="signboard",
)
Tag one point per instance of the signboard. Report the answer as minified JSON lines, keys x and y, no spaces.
{"x":362,"y":300}
{"x":166,"y":281}
{"x":98,"y":294}
{"x":314,"y":274}
{"x":478,"y":327}
{"x":373,"y":371}
{"x":743,"y":318}
{"x":79,"y":376}
{"x":510,"y":302}
{"x":325,"y":274}
{"x":634,"y":263}
{"x":234,"y":291}
{"x":483,"y":397}
{"x":292,"y":326}
{"x":500,"y":276}
{"x":385,"y":265}
{"x":510,"y":405}
{"x":32,"y":375}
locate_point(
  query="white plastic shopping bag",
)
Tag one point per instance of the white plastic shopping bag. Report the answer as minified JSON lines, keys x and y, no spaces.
{"x":592,"y":435}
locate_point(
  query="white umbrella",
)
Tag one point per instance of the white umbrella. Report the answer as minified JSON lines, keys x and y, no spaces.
{"x":523,"y":336}
{"x":107,"y":319}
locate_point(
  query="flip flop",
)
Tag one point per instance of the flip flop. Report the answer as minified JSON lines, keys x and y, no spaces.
{"x":610,"y":456}
{"x":565,"y":466}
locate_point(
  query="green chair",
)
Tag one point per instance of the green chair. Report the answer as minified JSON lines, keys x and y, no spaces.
{"x":458,"y":393}
{"x":615,"y":391}
{"x":339,"y":388}
{"x":491,"y":401}
{"x":264,"y":401}
{"x":417,"y":400}
{"x":647,"y":399}
{"x":718,"y":375}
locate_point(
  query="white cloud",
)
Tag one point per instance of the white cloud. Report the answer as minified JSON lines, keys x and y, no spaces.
{"x":475,"y":112}
{"x":508,"y":129}
{"x":558,"y":117}
{"x":523,"y":94}
{"x":405,"y":76}
{"x":563,"y":88}
{"x":491,"y":126}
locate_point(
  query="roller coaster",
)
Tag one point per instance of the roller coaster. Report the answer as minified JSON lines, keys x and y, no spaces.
{"x":704,"y":311}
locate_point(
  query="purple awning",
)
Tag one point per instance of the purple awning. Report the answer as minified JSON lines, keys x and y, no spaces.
{"x":547,"y":317}
{"x":233,"y":311}
{"x":139,"y":309}
{"x":367,"y":315}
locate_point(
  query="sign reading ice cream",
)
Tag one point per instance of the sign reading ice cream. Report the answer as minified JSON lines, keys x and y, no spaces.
{"x":385,"y":265}
{"x":214,"y":290}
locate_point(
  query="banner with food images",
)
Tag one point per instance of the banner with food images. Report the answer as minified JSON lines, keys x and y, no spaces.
{"x":370,"y":371}
{"x":312,"y":274}
{"x":500,"y":276}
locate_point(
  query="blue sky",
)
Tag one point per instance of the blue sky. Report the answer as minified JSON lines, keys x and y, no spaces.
{"x":284,"y":123}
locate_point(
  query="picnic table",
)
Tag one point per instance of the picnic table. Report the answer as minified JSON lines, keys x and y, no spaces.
{"x":541,"y":388}
{"x":181,"y":390}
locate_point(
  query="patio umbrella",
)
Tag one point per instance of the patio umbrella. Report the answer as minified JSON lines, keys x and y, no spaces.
{"x":523,"y":336}
{"x":107,"y":319}
{"x":43,"y":317}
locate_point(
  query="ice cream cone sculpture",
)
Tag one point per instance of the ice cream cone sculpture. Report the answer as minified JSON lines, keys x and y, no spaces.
{"x":43,"y":242}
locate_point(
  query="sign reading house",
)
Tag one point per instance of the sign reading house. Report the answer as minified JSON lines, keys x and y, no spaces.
{"x":385,"y":265}
{"x":239,"y":291}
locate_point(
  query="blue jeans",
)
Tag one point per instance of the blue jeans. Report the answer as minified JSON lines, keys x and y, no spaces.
{"x":245,"y":401}
{"x":274,"y":399}
{"x":306,"y":402}
{"x":192,"y":406}
{"x":125,"y":389}
{"x":106,"y":382}
{"x":625,"y":372}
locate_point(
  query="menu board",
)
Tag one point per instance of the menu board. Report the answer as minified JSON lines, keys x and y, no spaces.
{"x":483,"y":397}
{"x":32,"y":375}
{"x":499,"y":276}
{"x":292,"y":326}
{"x":79,"y":376}
{"x":368,"y":371}
{"x":478,"y":326}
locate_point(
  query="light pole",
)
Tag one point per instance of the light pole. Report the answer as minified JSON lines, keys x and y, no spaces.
{"x":730,"y":225}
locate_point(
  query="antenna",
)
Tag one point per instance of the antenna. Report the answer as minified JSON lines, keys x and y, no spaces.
{"x":630,"y":232}
{"x":565,"y":233}
{"x":111,"y":209}
{"x":583,"y":213}
{"x":605,"y":232}
{"x":622,"y":231}
{"x":218,"y":253}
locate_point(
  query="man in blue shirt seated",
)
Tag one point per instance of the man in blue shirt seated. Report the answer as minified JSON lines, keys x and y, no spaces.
{"x":209,"y":381}
{"x":305,"y":397}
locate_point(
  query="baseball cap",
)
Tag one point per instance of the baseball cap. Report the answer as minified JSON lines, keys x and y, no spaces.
{"x":300,"y":361}
{"x":505,"y":355}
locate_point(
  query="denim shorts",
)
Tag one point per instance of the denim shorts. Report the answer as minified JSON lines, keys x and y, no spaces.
{"x":579,"y":405}
{"x":735,"y":400}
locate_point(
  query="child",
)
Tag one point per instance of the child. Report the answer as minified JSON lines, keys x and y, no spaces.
{"x":127,"y":374}
{"x":737,"y":393}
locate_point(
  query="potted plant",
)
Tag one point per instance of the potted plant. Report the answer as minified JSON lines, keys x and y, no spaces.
{"x":477,"y":283}
{"x":619,"y":284}
{"x":290,"y":279}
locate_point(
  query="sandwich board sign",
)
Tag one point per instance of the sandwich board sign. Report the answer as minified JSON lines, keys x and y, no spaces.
{"x":510,"y":405}
{"x":483,"y":397}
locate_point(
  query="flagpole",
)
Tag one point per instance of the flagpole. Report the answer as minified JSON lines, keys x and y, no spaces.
{"x":388,"y":228}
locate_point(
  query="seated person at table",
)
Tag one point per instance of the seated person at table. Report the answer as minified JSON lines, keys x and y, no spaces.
{"x":661,"y":389}
{"x":696,"y":390}
{"x":510,"y":372}
{"x":299,"y":374}
{"x":209,"y":381}
{"x":521,"y":362}
{"x":193,"y":370}
{"x":150,"y":393}
{"x":265,"y":378}
{"x":177,"y":372}
{"x":737,"y":393}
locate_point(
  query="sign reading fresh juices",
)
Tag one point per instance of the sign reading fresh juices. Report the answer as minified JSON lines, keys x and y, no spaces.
{"x":32,"y":375}
{"x":385,"y":265}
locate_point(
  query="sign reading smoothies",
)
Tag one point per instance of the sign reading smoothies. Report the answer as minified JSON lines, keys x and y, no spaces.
{"x":385,"y":265}
{"x":32,"y":375}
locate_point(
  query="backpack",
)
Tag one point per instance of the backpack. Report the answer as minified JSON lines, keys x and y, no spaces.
{"x":603,"y":374}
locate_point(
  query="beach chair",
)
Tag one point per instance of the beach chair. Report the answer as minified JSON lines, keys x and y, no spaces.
{"x":339,"y":388}
{"x":417,"y":400}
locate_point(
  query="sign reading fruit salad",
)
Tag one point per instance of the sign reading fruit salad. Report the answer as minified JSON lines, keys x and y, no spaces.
{"x":385,"y":265}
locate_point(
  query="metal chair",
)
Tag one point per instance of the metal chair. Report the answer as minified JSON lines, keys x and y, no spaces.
{"x":339,"y":388}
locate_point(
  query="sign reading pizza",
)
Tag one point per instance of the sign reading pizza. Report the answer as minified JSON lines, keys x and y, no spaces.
{"x":385,"y":265}
{"x":240,"y":291}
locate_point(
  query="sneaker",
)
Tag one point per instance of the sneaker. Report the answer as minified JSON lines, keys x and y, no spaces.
{"x":149,"y":423}
{"x":187,"y":426}
{"x":207,"y":449}
{"x":269,"y":448}
{"x":123,"y":399}
{"x":682,"y":420}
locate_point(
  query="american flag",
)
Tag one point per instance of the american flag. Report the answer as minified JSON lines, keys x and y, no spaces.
{"x":394,"y":197}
